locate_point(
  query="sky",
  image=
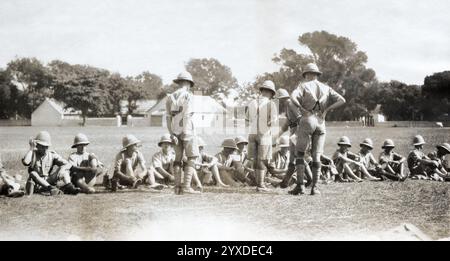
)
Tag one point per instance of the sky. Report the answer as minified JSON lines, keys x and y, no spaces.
{"x":405,"y":40}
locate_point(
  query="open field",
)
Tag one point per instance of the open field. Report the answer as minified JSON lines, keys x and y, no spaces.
{"x":344,"y":211}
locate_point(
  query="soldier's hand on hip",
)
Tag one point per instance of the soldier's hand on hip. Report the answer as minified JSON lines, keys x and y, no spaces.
{"x":174,"y":139}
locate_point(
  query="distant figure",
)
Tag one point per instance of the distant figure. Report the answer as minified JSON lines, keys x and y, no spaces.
{"x":118,"y":121}
{"x":129,"y":120}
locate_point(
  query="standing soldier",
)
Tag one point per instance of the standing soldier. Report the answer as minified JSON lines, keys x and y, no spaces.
{"x":315,"y":100}
{"x":262,"y":115}
{"x":182,"y":132}
{"x":42,"y":164}
{"x":85,"y":166}
{"x":292,"y":117}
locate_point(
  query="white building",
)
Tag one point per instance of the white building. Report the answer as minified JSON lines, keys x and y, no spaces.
{"x":52,"y":113}
{"x":207,"y":112}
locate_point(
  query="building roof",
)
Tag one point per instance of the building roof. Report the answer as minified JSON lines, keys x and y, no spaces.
{"x":60,"y":107}
{"x":142,"y":106}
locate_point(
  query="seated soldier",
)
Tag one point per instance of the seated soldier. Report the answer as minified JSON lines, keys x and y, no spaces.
{"x":278,"y":166}
{"x":418,"y":163}
{"x":228,"y":162}
{"x":392,"y":164}
{"x":370,"y":166}
{"x":436,"y":173}
{"x":9,"y":186}
{"x":440,"y":172}
{"x":161,"y":167}
{"x":245,"y":162}
{"x":206,"y":166}
{"x":442,"y":152}
{"x":344,"y":160}
{"x":85,"y":166}
{"x":329,"y":170}
{"x":46,"y":168}
{"x":126,"y":165}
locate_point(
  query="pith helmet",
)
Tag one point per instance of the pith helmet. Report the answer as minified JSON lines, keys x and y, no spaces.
{"x":240,"y":139}
{"x":165,"y":139}
{"x":311,"y":68}
{"x":129,"y":140}
{"x":201,"y":142}
{"x":388,"y":143}
{"x":80,"y":139}
{"x":344,"y":140}
{"x":367,"y":142}
{"x":268,"y":85}
{"x":282,"y":93}
{"x":43,"y":138}
{"x":229,"y":143}
{"x":444,"y":146}
{"x":284,"y":141}
{"x":418,"y":140}
{"x":184,"y":76}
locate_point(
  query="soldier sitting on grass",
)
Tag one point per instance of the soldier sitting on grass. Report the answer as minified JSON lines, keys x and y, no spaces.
{"x":161,"y":169}
{"x":418,"y":163}
{"x":392,"y":164}
{"x":126,"y":164}
{"x":370,"y":166}
{"x":344,"y":160}
{"x":440,"y":172}
{"x":85,"y":166}
{"x":229,"y":165}
{"x":329,"y":170}
{"x":9,"y":186}
{"x":278,"y":166}
{"x":46,"y":168}
{"x":206,"y":166}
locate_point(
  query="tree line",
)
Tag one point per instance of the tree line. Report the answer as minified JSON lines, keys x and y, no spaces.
{"x":25,"y":82}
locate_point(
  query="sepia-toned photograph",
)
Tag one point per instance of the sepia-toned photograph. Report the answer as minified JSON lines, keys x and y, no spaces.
{"x":224,"y":120}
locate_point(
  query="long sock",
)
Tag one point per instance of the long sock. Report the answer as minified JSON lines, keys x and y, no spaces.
{"x":300,"y":174}
{"x":189,"y":172}
{"x":290,"y":171}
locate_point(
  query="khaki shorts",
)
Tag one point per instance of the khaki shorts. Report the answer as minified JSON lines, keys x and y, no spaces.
{"x":310,"y":131}
{"x":260,"y":147}
{"x":186,"y":146}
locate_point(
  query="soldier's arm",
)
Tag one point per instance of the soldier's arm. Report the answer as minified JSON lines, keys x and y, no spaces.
{"x":351,"y":158}
{"x":61,"y":162}
{"x":168,"y":117}
{"x":141,"y":161}
{"x":399,"y":158}
{"x":26,"y":160}
{"x":338,"y":103}
{"x":118,"y":164}
{"x":294,"y":99}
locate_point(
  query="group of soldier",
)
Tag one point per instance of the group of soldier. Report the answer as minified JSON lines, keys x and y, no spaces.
{"x":183,"y":164}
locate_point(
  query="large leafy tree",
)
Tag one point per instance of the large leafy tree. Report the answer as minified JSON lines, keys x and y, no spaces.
{"x":81,"y":87}
{"x":144,"y":86}
{"x":31,"y":77}
{"x":210,"y":76}
{"x":436,"y":94}
{"x":10,"y":97}
{"x":343,"y":66}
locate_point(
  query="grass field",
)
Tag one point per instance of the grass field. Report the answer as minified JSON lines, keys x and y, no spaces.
{"x":344,"y":211}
